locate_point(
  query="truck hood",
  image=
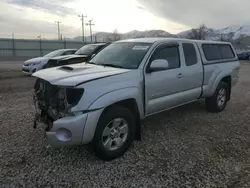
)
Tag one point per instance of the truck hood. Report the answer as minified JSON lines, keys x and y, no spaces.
{"x":77,"y":74}
{"x":66,"y":57}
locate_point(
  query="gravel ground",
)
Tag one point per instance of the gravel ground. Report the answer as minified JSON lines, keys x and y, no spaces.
{"x":184,"y":147}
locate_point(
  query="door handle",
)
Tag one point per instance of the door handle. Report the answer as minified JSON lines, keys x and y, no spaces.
{"x":180,"y":75}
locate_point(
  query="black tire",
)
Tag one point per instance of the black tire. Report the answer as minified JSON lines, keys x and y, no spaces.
{"x":212,"y":104}
{"x":109,"y":115}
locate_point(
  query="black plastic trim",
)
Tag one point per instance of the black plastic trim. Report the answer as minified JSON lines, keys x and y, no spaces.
{"x":218,"y":62}
{"x":87,"y":111}
{"x":203,"y":70}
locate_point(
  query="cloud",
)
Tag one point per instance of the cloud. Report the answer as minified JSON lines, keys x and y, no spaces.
{"x":51,"y":6}
{"x":140,"y":7}
{"x":213,"y":13}
{"x":29,"y":23}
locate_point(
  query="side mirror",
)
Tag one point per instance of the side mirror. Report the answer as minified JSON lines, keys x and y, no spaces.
{"x":158,"y":65}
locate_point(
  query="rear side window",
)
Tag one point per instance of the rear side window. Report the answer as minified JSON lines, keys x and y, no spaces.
{"x":226,"y":52}
{"x":217,"y":51}
{"x":212,"y":52}
{"x":190,"y":54}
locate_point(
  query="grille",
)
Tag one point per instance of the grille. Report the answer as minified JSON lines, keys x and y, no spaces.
{"x":55,"y":101}
{"x":49,"y":99}
{"x":25,"y":70}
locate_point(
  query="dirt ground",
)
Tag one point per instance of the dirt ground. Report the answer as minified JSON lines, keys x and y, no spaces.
{"x":184,"y":147}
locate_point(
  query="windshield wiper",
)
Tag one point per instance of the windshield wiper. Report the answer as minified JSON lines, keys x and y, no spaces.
{"x":90,"y":62}
{"x":108,"y":65}
{"x":112,"y":65}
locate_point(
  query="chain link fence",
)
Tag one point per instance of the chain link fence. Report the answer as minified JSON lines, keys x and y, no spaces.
{"x":19,"y":46}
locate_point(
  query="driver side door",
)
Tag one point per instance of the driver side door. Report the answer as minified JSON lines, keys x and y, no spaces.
{"x":164,"y":87}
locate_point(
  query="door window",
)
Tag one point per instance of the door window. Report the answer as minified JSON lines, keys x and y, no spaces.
{"x":169,"y":53}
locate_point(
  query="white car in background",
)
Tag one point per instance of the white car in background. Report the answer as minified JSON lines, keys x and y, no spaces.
{"x":32,"y":65}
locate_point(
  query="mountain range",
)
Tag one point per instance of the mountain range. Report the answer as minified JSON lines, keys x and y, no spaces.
{"x":105,"y":36}
{"x":230,"y":33}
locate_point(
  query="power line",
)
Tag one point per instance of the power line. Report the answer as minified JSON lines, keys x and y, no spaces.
{"x":90,"y":28}
{"x":82,"y":19}
{"x":58,"y":29}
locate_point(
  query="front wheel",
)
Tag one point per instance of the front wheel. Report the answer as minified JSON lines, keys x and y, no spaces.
{"x":218,"y":101}
{"x":115,"y":133}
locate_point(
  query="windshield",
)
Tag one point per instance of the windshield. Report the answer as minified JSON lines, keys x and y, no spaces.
{"x":87,"y":49}
{"x":123,"y":54}
{"x":54,"y":53}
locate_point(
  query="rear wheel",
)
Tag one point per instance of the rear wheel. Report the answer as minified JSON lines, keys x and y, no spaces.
{"x":115,"y":133}
{"x":218,"y":101}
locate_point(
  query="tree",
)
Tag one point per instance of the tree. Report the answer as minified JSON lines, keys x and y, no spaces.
{"x":223,"y":38}
{"x":240,"y":43}
{"x":108,"y":39}
{"x":199,"y":33}
{"x":239,"y":40}
{"x":115,"y":35}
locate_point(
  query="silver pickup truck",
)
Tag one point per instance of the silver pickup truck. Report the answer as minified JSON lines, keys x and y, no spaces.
{"x":103,"y":100}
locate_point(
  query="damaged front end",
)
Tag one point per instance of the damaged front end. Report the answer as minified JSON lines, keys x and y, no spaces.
{"x":53,"y":102}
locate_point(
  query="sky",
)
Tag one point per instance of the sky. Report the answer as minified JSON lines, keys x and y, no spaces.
{"x":30,"y":18}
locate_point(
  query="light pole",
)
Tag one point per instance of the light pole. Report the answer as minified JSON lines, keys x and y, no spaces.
{"x":90,"y":28}
{"x":58,"y":29}
{"x":82,"y":19}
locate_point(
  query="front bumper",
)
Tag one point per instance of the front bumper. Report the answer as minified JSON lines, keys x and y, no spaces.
{"x":74,"y":130}
{"x":28,"y":69}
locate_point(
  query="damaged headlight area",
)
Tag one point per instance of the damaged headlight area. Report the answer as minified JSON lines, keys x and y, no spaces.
{"x":54,"y":102}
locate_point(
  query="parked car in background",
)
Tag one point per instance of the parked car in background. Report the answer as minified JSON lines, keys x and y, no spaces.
{"x":83,"y":54}
{"x":243,"y":56}
{"x":102,"y":102}
{"x":32,"y":65}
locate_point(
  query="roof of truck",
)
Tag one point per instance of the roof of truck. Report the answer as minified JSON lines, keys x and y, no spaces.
{"x":161,"y":39}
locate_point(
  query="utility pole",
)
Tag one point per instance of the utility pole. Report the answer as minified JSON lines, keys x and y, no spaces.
{"x":90,"y":28}
{"x":13,"y":44}
{"x":40,"y":44}
{"x":82,"y":19}
{"x":58,"y":29}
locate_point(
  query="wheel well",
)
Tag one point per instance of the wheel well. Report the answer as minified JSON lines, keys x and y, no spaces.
{"x":228,"y":80}
{"x":131,"y":105}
